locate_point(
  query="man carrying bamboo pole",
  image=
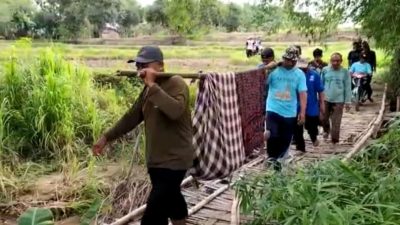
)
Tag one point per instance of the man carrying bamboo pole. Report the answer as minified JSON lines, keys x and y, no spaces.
{"x":164,"y":107}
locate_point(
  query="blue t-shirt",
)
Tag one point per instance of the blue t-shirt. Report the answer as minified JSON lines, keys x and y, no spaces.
{"x":283,"y":88}
{"x":314,"y":86}
{"x":359,"y":67}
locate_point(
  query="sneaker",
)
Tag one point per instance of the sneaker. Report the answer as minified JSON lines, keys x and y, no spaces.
{"x":316,"y":143}
{"x":325,"y":135}
{"x":371,"y":100}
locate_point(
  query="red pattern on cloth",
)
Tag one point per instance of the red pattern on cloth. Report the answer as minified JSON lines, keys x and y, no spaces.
{"x":251,"y":90}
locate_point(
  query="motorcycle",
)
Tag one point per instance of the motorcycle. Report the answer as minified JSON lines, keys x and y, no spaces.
{"x":359,"y":93}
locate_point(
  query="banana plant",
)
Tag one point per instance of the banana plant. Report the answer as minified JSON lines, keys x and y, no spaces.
{"x":36,"y":216}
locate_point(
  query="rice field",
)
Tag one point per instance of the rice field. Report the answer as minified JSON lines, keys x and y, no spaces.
{"x":52,"y":110}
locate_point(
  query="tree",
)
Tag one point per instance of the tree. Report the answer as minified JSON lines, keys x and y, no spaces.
{"x":131,"y":14}
{"x":182,"y":16}
{"x":210,"y":12}
{"x":232,"y":20}
{"x":16,"y":18}
{"x":155,"y":14}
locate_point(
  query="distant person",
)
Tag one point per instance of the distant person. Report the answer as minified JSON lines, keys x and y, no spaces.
{"x":337,"y":88}
{"x":164,"y":107}
{"x":250,"y":47}
{"x":317,"y":63}
{"x":364,"y":68}
{"x":267,"y":57}
{"x":301,"y":60}
{"x":285,"y":83}
{"x":371,"y":59}
{"x":314,"y":111}
{"x":354,"y":55}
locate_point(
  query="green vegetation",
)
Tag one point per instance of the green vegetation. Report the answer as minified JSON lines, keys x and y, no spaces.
{"x":363,"y":191}
{"x":74,"y":19}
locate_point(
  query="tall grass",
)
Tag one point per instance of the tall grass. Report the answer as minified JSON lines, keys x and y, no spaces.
{"x":364,"y":191}
{"x":50,"y":105}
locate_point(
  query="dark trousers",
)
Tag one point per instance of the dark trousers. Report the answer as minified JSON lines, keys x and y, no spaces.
{"x":368,"y":87}
{"x":165,"y":200}
{"x":311,"y":126}
{"x":281,"y":132}
{"x":333,"y":119}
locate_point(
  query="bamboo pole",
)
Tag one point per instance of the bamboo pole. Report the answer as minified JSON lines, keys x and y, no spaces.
{"x":370,"y":132}
{"x":398,"y":104}
{"x":205,"y":201}
{"x":128,"y":73}
{"x":235,"y":212}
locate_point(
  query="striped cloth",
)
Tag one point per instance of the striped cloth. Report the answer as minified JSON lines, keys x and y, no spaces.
{"x":251,"y":89}
{"x":217,"y":128}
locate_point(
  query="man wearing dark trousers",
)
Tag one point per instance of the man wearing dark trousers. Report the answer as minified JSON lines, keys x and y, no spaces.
{"x":285,"y":83}
{"x":164,"y":107}
{"x":314,"y":111}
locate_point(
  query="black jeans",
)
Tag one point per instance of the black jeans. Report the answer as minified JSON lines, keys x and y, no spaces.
{"x":166,"y":199}
{"x":311,"y":126}
{"x":368,"y":87}
{"x":281,"y":133}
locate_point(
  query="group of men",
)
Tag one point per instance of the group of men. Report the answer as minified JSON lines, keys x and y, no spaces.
{"x":308,"y":95}
{"x":253,"y":46}
{"x":298,"y":96}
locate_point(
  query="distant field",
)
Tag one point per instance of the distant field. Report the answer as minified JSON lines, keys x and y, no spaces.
{"x":210,"y":57}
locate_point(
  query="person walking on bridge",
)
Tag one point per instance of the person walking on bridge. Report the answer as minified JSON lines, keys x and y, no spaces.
{"x":337,"y":83}
{"x":164,"y":107}
{"x":285,"y":83}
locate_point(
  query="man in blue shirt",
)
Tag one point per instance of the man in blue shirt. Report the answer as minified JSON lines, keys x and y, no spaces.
{"x":364,"y":68}
{"x":285,"y":83}
{"x":314,"y":110}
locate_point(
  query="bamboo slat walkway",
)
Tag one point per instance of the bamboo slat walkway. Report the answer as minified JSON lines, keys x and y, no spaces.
{"x":212,"y":202}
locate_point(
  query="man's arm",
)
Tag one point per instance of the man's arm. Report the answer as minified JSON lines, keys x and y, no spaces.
{"x":173,"y":103}
{"x":128,"y":122}
{"x":347,"y":87}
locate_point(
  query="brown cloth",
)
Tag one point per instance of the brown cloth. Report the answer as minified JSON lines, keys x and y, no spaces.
{"x":165,"y":110}
{"x":251,"y":91}
{"x":333,"y":119}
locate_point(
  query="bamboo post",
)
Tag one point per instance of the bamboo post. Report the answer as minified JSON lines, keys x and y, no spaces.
{"x":235,"y":211}
{"x":398,"y":104}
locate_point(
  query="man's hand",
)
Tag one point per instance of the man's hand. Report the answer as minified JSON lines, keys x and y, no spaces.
{"x":347,"y":106}
{"x":148,"y":75}
{"x":98,"y":147}
{"x":301,"y":119}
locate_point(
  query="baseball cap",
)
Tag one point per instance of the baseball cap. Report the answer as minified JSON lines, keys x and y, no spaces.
{"x":148,"y":54}
{"x":267,"y":52}
{"x":291,"y":54}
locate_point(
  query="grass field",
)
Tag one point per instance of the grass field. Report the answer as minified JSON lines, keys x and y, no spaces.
{"x":56,"y":78}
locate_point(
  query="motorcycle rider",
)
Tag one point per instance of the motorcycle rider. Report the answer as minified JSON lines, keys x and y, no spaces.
{"x":363,"y":68}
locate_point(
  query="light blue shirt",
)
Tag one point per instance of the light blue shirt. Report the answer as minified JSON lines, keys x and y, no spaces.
{"x":359,"y":67}
{"x":284,"y":85}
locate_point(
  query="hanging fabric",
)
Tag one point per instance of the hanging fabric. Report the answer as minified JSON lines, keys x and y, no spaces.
{"x":217,"y":128}
{"x":251,"y":89}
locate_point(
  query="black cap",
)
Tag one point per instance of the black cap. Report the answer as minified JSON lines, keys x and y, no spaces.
{"x":267,"y":52}
{"x":148,"y":54}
